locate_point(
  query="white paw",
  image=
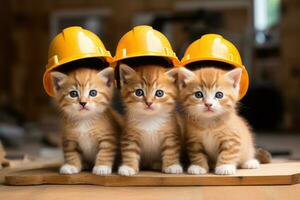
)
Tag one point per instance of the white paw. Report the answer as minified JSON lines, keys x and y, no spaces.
{"x":68,"y":169}
{"x":173,"y":169}
{"x":102,"y":170}
{"x":251,"y":164}
{"x":196,"y":169}
{"x":125,"y":170}
{"x":227,"y":169}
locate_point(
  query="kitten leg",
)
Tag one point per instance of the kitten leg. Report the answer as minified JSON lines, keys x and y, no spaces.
{"x":106,"y":155}
{"x":72,"y":157}
{"x":230,"y":150}
{"x":198,"y":158}
{"x":131,"y":151}
{"x":249,"y":161}
{"x":171,"y":154}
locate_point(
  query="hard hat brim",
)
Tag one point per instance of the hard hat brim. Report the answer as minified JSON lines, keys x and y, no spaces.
{"x":46,"y":77}
{"x":174,"y":60}
{"x":186,"y":62}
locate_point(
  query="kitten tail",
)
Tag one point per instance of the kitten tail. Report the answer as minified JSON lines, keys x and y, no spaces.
{"x":263,"y":156}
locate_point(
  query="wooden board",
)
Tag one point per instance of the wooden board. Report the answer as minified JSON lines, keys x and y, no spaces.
{"x":20,"y":165}
{"x":269,"y":174}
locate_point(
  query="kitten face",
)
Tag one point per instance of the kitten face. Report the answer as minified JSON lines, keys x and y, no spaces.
{"x":148,"y":91}
{"x":209,"y":92}
{"x":83,"y":92}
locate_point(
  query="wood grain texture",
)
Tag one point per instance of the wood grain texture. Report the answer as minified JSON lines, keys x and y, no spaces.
{"x":20,"y":165}
{"x":268,"y":174}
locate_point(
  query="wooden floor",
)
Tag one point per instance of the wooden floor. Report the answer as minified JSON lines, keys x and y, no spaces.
{"x":81,"y":192}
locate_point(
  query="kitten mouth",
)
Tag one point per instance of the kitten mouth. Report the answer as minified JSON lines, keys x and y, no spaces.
{"x":83,"y":108}
{"x":149,"y":108}
{"x":208,"y":110}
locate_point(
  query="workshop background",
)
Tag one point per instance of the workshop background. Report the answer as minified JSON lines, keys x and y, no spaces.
{"x":265,"y":31}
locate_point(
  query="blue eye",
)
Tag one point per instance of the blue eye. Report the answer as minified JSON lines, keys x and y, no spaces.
{"x":73,"y":94}
{"x":93,"y":93}
{"x":219,"y":95}
{"x":139,"y":92}
{"x":159,"y":93}
{"x":198,"y":94}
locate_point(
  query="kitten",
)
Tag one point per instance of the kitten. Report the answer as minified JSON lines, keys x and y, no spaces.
{"x":151,"y":136}
{"x":214,"y":133}
{"x":90,"y":126}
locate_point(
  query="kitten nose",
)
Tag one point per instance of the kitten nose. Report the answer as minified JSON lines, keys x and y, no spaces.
{"x":208,"y":105}
{"x":82,"y":103}
{"x":148,"y":103}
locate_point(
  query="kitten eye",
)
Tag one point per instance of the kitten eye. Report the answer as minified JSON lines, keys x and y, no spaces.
{"x":73,"y":94}
{"x":159,"y":93}
{"x":93,"y":93}
{"x":219,"y":95}
{"x":139,"y":92}
{"x":198,"y":94}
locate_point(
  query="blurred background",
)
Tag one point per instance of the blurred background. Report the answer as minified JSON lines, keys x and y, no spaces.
{"x":267,"y":33}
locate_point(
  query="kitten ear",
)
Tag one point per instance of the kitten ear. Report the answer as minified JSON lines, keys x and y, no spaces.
{"x":57,"y":79}
{"x":107,"y":75}
{"x":185,"y":76}
{"x":126,"y":73}
{"x":234,"y":77}
{"x":172,"y":74}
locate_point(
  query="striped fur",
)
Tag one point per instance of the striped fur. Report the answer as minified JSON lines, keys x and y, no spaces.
{"x":216,"y":136}
{"x":151,"y":136}
{"x":90,"y":135}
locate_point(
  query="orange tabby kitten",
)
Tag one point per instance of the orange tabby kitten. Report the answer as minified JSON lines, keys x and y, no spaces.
{"x":90,"y":127}
{"x":214,"y":133}
{"x":151,"y":135}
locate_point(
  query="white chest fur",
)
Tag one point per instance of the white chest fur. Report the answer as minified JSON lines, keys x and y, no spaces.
{"x":87,"y":143}
{"x":151,"y":138}
{"x":150,"y":124}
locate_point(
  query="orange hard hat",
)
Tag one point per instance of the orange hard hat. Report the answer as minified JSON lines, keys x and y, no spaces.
{"x":144,"y":41}
{"x":72,"y":44}
{"x":213,"y":47}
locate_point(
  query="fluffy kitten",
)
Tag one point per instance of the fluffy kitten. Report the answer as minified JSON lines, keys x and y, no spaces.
{"x":90,"y":126}
{"x":214,"y":133}
{"x":151,"y":137}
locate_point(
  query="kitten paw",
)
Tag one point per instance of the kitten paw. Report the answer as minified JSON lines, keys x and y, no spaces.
{"x":227,"y":169}
{"x":173,"y":169}
{"x":125,"y":170}
{"x":251,"y":164}
{"x":102,"y":170}
{"x":68,"y":169}
{"x":196,"y":169}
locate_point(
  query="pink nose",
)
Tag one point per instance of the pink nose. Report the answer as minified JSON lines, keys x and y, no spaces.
{"x":208,"y":105}
{"x":149,"y":103}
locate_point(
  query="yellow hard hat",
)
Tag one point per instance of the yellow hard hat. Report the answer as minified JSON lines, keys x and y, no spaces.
{"x":213,"y":47}
{"x":144,"y":41}
{"x":72,"y":44}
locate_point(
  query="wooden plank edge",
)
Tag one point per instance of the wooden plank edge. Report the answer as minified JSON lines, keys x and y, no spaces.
{"x":188,"y":180}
